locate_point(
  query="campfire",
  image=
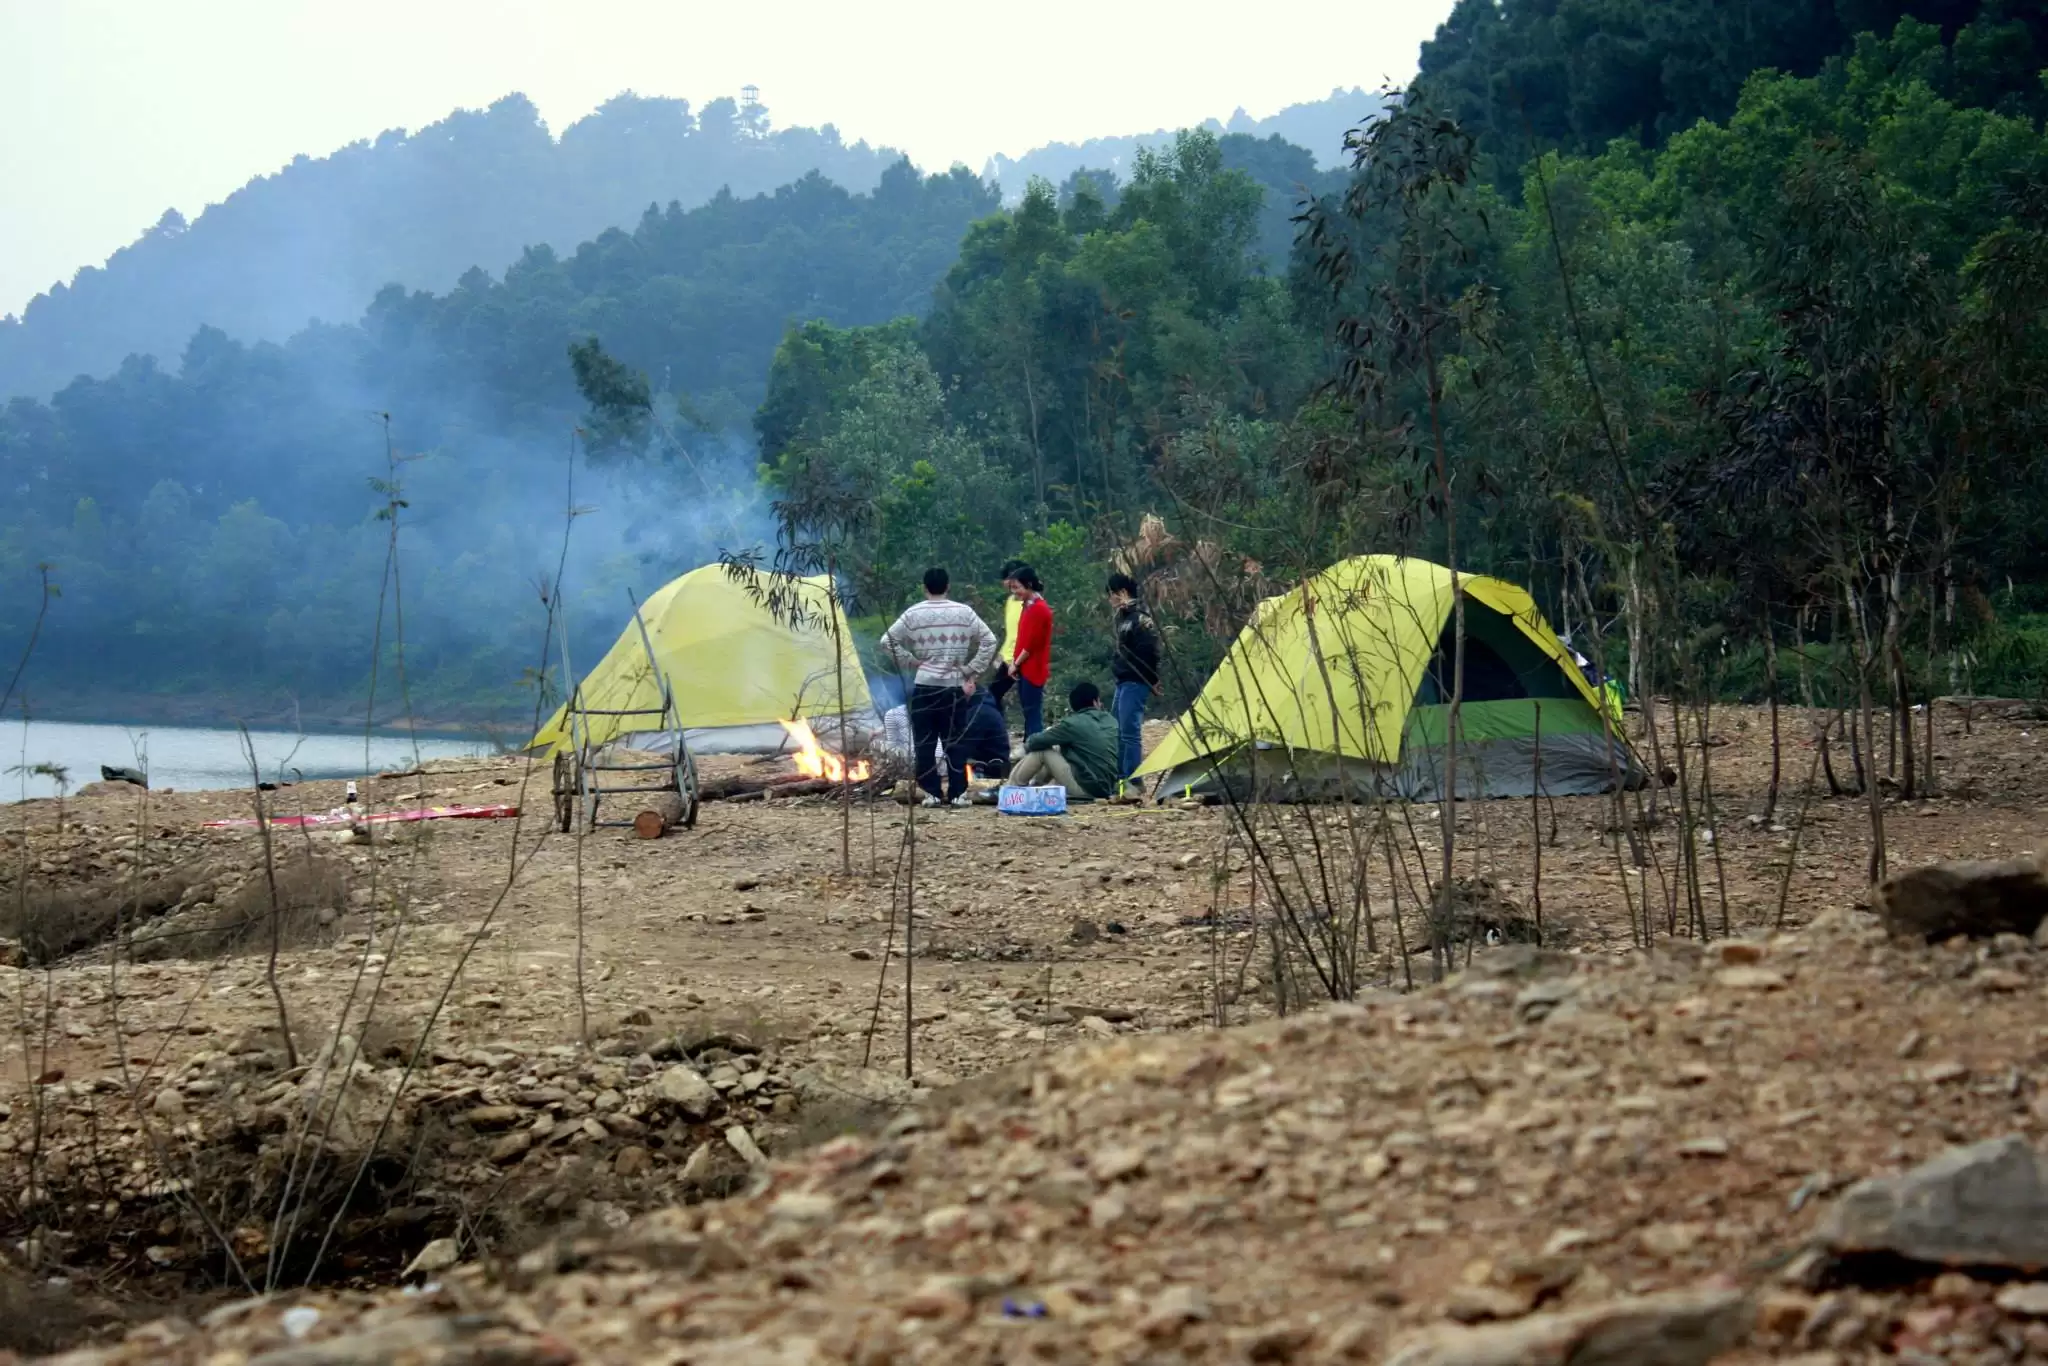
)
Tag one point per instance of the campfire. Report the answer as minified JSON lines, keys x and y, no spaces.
{"x":815,"y":761}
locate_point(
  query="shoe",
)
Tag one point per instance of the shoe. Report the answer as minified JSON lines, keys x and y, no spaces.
{"x":930,"y":800}
{"x":962,"y":800}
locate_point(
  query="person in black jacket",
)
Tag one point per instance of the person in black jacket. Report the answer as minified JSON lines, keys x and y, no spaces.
{"x":983,"y":741}
{"x":1135,"y":666}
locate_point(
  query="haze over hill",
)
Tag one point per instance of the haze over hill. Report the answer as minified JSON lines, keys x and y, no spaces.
{"x":1318,"y":126}
{"x":315,"y":240}
{"x":319,"y":237}
{"x":987,"y":379}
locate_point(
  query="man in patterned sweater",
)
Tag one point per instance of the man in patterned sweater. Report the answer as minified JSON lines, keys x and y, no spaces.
{"x":949,"y":647}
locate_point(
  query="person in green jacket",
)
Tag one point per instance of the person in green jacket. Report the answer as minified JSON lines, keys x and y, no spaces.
{"x":1079,"y":753}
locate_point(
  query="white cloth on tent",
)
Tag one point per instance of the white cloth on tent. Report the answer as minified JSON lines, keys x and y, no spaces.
{"x":896,"y":737}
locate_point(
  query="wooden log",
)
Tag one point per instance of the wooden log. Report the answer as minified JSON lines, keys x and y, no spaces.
{"x":803,"y":787}
{"x":736,"y":786}
{"x":663,"y":813}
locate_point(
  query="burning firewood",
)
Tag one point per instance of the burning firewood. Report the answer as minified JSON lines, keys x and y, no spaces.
{"x":815,"y":761}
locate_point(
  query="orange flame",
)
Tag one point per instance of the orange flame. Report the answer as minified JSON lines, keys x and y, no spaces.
{"x":970,"y":775}
{"x":815,"y":761}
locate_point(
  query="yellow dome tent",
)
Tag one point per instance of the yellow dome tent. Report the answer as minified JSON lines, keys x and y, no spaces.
{"x":734,"y":669}
{"x":1344,"y":683}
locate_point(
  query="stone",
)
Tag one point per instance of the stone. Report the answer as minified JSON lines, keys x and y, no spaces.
{"x":698,"y":1165}
{"x":1953,"y":1287}
{"x":1978,"y":899}
{"x":1108,"y":1210}
{"x":940,"y":1297}
{"x":168,"y":1106}
{"x":803,"y":1207}
{"x":686,"y":1090}
{"x":630,"y":1162}
{"x":1982,"y":1205}
{"x":1671,"y":1240}
{"x":833,"y":1082}
{"x":1484,"y":1303}
{"x":492,"y":1117}
{"x":740,"y":1141}
{"x":436,"y":1256}
{"x":1172,"y":1309}
{"x":1537,"y":1000}
{"x":1116,"y":1163}
{"x":1096,"y":1025}
{"x":1748,"y":978}
{"x":511,"y":1147}
{"x":1707,"y":1145}
{"x":1784,"y":1313}
{"x":2028,"y":1299}
{"x":298,"y":1321}
{"x":1740,"y":952}
{"x":947,"y":1223}
{"x":421,"y":1337}
{"x":1281,"y":1341}
{"x":1677,"y":1328}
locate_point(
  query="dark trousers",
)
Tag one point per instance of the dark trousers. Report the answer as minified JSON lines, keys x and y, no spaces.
{"x":959,"y":756}
{"x":934,"y":720}
{"x":1031,"y":698}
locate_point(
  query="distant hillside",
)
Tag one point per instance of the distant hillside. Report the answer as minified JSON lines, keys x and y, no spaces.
{"x":1318,"y":126}
{"x":319,"y":238}
{"x":210,"y":519}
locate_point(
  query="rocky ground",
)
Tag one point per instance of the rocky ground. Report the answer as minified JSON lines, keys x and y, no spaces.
{"x":1079,"y":1163}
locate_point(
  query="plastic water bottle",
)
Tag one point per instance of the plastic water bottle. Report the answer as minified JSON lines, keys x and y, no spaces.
{"x":350,"y":800}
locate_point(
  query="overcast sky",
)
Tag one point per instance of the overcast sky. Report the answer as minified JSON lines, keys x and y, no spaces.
{"x":115,"y":110}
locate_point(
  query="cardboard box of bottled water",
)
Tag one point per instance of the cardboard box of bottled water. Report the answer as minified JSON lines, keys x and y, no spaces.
{"x":1049,"y":800}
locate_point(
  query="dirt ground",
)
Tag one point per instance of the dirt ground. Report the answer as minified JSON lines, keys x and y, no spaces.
{"x":1030,"y":935}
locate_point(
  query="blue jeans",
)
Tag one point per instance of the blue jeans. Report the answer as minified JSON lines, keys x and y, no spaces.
{"x":1129,"y":706}
{"x":1031,"y":698}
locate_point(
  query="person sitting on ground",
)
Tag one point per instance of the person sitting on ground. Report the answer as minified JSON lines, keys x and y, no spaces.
{"x":983,"y":742}
{"x":1079,"y":753}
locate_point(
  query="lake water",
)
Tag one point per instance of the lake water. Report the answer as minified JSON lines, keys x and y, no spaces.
{"x":188,"y":757}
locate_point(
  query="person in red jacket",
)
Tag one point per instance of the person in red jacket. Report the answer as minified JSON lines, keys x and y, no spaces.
{"x":1032,"y":666}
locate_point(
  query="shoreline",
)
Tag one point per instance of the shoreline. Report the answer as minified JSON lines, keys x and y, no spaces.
{"x":203,"y":713}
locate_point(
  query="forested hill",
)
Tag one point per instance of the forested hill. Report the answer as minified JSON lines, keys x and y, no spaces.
{"x":1651,"y":350}
{"x":1316,"y":125}
{"x":1768,"y":393}
{"x":1523,"y":75}
{"x":212,"y":524}
{"x":318,"y":238}
{"x":209,"y":516}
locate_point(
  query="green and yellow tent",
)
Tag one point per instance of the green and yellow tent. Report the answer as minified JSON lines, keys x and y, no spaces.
{"x":1344,"y":683}
{"x":736,"y":671}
